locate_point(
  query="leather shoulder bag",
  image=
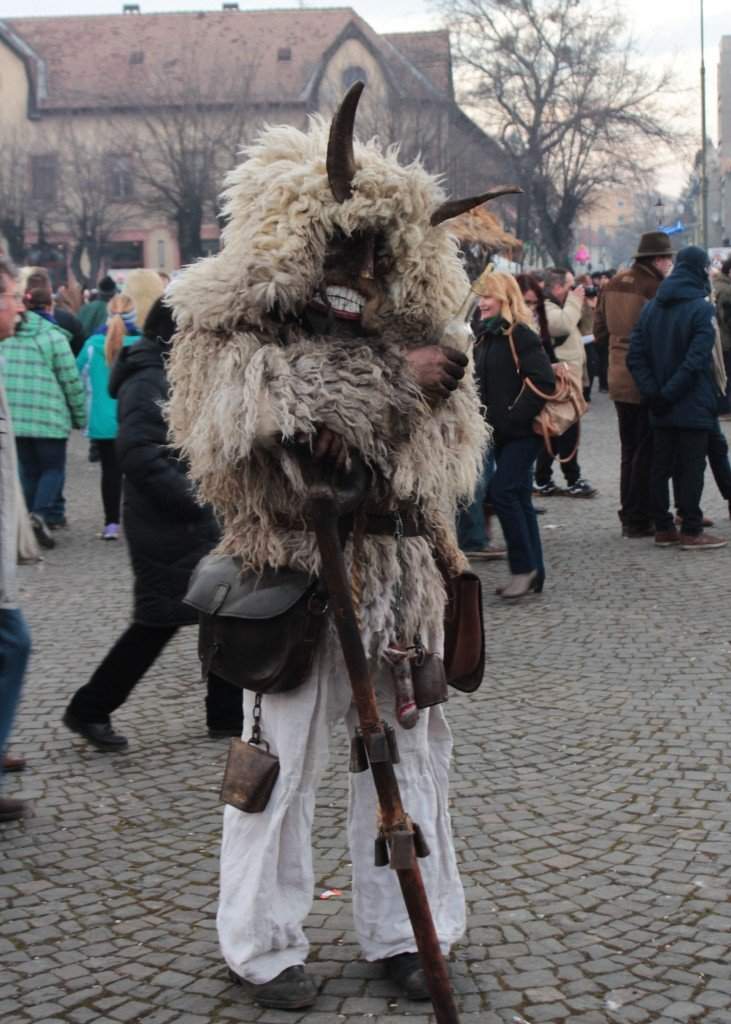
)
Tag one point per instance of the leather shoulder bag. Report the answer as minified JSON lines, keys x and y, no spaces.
{"x":258,"y":631}
{"x":564,"y":407}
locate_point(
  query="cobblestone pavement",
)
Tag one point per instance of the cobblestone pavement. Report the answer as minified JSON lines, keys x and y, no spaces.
{"x":590,"y":801}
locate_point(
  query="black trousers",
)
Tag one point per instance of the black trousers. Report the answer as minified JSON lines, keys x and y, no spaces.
{"x":679,"y":455}
{"x":635,"y":439}
{"x":563,"y":446}
{"x":124,"y":666}
{"x":111,"y":480}
{"x":718,"y":461}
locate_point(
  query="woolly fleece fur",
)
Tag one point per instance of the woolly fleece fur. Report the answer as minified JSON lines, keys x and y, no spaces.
{"x":238,"y":386}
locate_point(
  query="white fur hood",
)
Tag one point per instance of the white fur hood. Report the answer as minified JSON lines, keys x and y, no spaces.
{"x":281,"y":211}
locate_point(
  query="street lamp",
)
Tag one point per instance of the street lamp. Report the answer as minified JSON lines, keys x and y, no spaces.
{"x":659,"y":211}
{"x":704,"y":177}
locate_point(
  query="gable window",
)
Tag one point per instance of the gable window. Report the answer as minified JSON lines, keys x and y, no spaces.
{"x":118,"y":170}
{"x":353,"y":74}
{"x":44,"y":177}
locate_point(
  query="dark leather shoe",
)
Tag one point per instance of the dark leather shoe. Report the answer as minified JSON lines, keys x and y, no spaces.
{"x":12,"y":810}
{"x":13,"y":763}
{"x":290,"y":990}
{"x":99,"y":734}
{"x":405,"y":971}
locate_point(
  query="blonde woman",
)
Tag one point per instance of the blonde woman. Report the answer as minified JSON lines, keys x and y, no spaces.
{"x":511,"y":407}
{"x":94,"y":363}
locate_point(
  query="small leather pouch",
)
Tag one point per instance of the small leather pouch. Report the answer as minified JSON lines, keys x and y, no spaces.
{"x":430,"y":680}
{"x":249,"y":778}
{"x":464,"y":633}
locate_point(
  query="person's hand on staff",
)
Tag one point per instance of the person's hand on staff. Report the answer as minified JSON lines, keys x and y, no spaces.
{"x":437,"y":369}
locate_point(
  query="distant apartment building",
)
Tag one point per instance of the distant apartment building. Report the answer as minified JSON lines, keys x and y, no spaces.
{"x":95,"y":80}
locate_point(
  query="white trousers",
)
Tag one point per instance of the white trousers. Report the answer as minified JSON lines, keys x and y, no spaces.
{"x":267,"y":878}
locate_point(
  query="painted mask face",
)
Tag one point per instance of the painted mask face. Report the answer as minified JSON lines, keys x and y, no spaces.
{"x":355,"y":278}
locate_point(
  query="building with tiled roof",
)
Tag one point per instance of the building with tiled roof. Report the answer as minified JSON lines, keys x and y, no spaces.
{"x":111,"y":79}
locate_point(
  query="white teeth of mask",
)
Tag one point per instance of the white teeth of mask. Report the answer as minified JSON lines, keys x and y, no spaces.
{"x":345,"y":300}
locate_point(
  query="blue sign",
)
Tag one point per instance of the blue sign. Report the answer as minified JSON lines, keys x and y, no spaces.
{"x":674,"y":229}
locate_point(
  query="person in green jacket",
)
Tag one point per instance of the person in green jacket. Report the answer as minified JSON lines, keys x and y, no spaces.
{"x":94,"y":364}
{"x":46,"y":399}
{"x":93,"y":315}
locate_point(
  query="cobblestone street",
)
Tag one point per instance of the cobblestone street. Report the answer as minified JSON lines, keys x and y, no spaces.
{"x":590,"y":800}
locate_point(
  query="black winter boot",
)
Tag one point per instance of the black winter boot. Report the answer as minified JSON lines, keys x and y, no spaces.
{"x":290,"y":990}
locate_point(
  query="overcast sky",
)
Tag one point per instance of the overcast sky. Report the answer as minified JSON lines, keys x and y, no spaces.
{"x":666,"y":31}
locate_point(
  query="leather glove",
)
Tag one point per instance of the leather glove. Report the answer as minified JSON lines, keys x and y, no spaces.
{"x":659,"y":406}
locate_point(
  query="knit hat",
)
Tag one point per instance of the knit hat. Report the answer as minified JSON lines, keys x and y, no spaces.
{"x":106,"y":287}
{"x":653,"y":243}
{"x":695,"y":260}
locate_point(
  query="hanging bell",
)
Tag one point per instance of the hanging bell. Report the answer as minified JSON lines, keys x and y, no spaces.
{"x":421,"y":847}
{"x":358,"y":754}
{"x":392,"y":744}
{"x":401,"y":845}
{"x":381,"y":851}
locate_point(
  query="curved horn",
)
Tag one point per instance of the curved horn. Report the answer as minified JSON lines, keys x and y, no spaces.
{"x":453,"y":207}
{"x":340,"y":159}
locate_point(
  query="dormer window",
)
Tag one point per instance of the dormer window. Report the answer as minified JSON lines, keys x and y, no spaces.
{"x":352,"y":75}
{"x":284,"y":54}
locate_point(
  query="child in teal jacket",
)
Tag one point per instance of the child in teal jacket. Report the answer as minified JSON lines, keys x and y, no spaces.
{"x":94,"y":364}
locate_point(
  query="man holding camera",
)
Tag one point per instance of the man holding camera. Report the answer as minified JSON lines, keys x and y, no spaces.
{"x":620,"y":303}
{"x":564,"y":308}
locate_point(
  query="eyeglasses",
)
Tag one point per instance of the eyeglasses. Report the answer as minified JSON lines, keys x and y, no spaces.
{"x":531,"y":302}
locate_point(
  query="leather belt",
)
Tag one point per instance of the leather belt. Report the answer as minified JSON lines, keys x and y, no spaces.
{"x":407,"y":520}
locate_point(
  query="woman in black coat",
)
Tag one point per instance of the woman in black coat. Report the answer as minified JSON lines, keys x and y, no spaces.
{"x":168,"y":533}
{"x":511,"y":406}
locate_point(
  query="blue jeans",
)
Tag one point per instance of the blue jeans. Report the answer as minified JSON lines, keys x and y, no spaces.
{"x":14,"y":651}
{"x":42,"y":466}
{"x":510,"y":493}
{"x":471,"y":531}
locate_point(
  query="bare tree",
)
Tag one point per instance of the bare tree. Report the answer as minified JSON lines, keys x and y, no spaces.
{"x":95,"y":195}
{"x":558,"y":87}
{"x":13,"y":195}
{"x":187,"y":123}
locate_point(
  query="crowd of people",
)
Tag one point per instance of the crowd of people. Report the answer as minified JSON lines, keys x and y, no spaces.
{"x":652,"y":334}
{"x":665,"y":366}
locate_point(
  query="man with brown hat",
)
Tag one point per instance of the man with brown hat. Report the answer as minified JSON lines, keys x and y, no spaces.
{"x":620,"y":304}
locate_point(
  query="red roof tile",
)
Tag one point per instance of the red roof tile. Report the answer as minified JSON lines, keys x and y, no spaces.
{"x":97,"y":61}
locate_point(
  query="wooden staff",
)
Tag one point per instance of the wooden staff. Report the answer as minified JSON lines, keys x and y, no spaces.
{"x":403,"y":838}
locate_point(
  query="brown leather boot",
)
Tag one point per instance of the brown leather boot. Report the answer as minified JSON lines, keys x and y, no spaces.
{"x":701,"y":542}
{"x":12,"y":810}
{"x":13,"y":763}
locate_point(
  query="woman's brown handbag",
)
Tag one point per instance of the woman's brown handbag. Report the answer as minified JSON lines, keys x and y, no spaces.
{"x":464,"y":632}
{"x":564,"y":407}
{"x":258,"y":631}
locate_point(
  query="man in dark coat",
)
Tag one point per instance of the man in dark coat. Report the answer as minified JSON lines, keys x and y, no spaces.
{"x":722,"y":298}
{"x":619,"y":308}
{"x":168,"y":533}
{"x":671,"y":360}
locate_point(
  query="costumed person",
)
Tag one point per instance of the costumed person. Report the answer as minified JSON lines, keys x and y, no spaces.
{"x":320,"y":321}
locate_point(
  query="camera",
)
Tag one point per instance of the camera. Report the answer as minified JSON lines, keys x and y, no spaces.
{"x":591,"y":291}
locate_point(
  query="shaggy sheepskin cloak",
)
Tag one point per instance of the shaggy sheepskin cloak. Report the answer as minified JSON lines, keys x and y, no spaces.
{"x":238,"y":387}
